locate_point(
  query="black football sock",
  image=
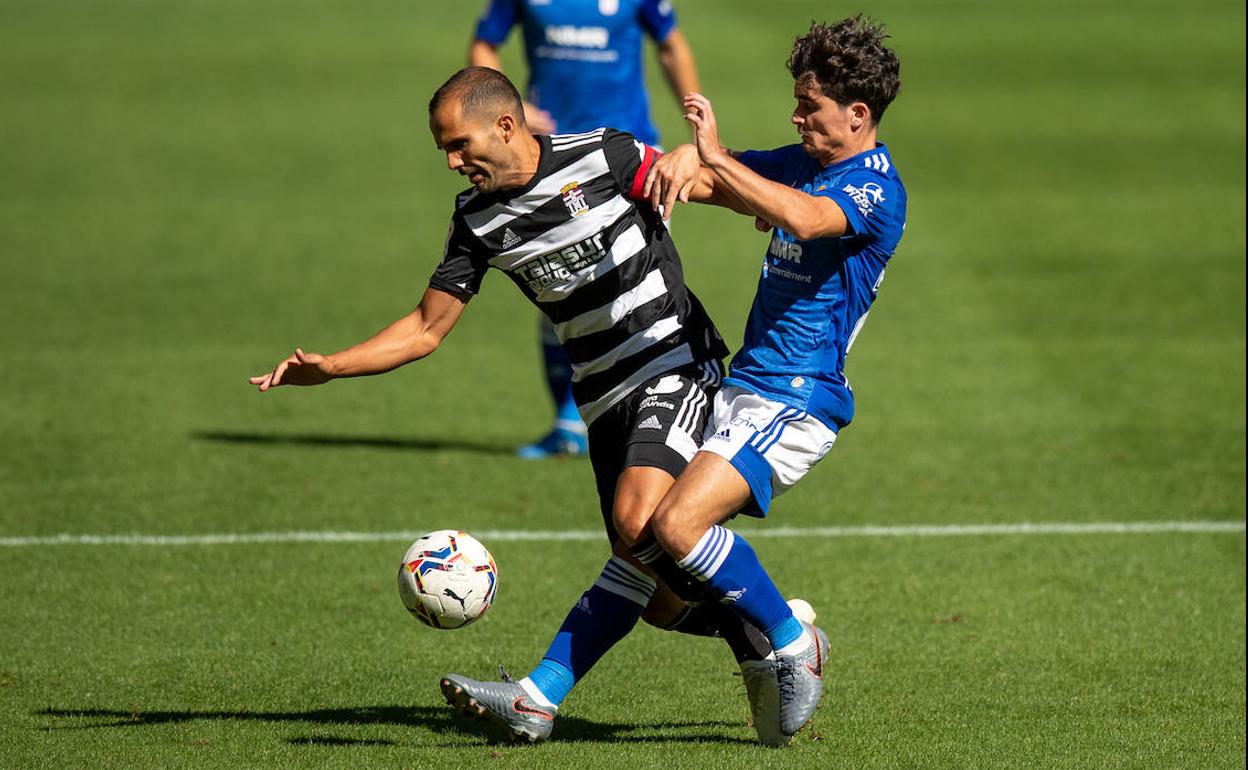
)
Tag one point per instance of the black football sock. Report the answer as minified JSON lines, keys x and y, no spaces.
{"x":684,"y":585}
{"x":705,"y":616}
{"x":714,"y":619}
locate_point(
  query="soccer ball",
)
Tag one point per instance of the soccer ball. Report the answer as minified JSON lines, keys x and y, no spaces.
{"x":447,"y":579}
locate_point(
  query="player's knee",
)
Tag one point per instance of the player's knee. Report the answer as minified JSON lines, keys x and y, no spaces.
{"x":677,"y":526}
{"x":631,"y":522}
{"x":665,"y":524}
{"x":638,"y":490}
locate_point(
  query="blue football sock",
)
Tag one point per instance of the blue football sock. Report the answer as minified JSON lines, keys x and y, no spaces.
{"x":603,"y":616}
{"x":728,"y":565}
{"x":567,"y":415}
{"x":553,"y":680}
{"x":558,"y":367}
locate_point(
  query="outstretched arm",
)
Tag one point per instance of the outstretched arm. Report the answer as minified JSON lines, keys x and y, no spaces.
{"x":805,"y":216}
{"x":680,"y":176}
{"x":412,"y":337}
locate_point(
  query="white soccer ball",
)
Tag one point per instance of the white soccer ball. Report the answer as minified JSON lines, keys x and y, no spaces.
{"x":447,"y":579}
{"x":802,"y":610}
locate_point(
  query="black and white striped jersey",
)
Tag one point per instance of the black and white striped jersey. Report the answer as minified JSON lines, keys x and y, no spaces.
{"x":604,"y":270}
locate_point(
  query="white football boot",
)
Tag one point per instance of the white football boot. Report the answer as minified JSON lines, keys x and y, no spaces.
{"x":763,"y":690}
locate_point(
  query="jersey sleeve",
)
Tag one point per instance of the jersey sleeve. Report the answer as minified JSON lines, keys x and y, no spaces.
{"x":769,"y":164}
{"x":497,"y":20}
{"x":629,"y":159}
{"x":873,"y":203}
{"x":464,"y":261}
{"x":658,"y":18}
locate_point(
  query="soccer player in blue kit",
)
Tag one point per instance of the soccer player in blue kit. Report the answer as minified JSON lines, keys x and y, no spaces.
{"x":837,"y":209}
{"x":585,"y":72}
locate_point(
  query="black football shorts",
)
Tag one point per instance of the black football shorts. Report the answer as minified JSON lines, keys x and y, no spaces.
{"x":658,"y":425}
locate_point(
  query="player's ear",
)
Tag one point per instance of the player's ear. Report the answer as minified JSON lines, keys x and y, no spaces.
{"x":506,"y":125}
{"x":859,"y":115}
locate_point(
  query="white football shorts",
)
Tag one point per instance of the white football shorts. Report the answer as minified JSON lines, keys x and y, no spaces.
{"x":771,"y":444}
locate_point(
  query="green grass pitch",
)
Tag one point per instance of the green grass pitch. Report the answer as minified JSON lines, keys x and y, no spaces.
{"x":190,"y":189}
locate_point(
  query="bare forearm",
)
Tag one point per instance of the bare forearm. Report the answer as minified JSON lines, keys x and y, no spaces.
{"x":719,"y":192}
{"x":709,"y":187}
{"x":804,"y":216}
{"x":676,"y":59}
{"x":400,"y":343}
{"x":680,"y":175}
{"x":722,"y":196}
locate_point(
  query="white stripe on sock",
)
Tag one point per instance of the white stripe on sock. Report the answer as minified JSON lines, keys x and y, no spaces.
{"x":643,"y":584}
{"x":723,"y":552}
{"x":630,"y":570}
{"x":708,"y":555}
{"x":649,"y":554}
{"x":626,"y":581}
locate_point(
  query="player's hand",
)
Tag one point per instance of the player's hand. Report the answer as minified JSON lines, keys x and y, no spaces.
{"x":761,"y":225}
{"x":539,"y":120}
{"x":701,"y":116}
{"x":671,"y":177}
{"x":300,"y":369}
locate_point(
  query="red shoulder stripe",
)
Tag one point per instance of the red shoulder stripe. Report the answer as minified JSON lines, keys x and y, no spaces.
{"x":639,"y":181}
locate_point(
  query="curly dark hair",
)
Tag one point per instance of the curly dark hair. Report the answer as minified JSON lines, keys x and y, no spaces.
{"x":848,"y":62}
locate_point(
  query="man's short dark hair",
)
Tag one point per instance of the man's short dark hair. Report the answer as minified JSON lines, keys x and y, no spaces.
{"x":478,"y":89}
{"x":849,"y":63}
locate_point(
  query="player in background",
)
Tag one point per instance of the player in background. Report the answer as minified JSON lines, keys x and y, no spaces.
{"x":838,"y":209}
{"x":559,"y":215}
{"x":585,"y":72}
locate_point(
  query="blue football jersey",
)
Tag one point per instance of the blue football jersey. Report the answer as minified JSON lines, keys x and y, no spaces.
{"x":585,"y":58}
{"x":813,"y":296}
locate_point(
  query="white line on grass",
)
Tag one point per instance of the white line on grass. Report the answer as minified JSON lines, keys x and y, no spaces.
{"x":505,"y":535}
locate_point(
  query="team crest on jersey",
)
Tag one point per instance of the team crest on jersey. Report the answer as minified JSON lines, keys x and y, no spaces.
{"x":574,"y":199}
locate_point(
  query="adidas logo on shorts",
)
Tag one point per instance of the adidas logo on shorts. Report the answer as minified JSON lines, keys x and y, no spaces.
{"x":650,"y":423}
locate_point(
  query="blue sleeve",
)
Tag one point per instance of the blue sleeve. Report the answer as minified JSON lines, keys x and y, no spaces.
{"x":496,"y":23}
{"x":769,"y":164}
{"x":874,"y":204}
{"x":658,"y":18}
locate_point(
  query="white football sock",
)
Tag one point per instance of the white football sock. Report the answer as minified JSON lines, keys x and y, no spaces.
{"x":527,"y":685}
{"x":799,"y":644}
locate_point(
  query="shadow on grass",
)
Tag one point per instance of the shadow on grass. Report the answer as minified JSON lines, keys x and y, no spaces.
{"x":438,"y":719}
{"x":367,"y":442}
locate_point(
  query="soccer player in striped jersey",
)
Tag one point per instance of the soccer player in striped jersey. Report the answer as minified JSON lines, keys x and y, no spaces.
{"x":585,"y":70}
{"x":563,"y":217}
{"x":837,"y":209}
